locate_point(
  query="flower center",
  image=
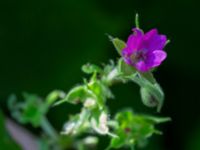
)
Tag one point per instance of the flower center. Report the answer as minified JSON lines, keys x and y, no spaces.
{"x":138,"y":56}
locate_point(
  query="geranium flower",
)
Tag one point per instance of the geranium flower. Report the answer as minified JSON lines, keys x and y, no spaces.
{"x":145,"y":51}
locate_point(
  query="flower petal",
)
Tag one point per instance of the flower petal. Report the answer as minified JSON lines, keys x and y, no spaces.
{"x":126,"y":53}
{"x":154,"y":41}
{"x":138,"y":31}
{"x":159,"y":56}
{"x":142,"y":66}
{"x":150,"y":34}
{"x":134,"y":40}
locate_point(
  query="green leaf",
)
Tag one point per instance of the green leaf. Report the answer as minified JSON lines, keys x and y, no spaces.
{"x":100,"y":91}
{"x":118,"y":44}
{"x":119,"y":141}
{"x":75,"y":95}
{"x":91,"y":68}
{"x":16,"y":108}
{"x":133,"y":129}
{"x":157,"y":119}
{"x":30,"y":111}
{"x":109,"y":67}
{"x":97,"y":88}
{"x":53,"y":96}
{"x":34,"y":109}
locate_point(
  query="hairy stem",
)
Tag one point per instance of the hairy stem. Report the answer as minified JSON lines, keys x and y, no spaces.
{"x":48,"y":129}
{"x":111,"y":77}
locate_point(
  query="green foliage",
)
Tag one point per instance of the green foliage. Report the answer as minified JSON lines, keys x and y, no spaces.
{"x":53,"y":96}
{"x":31,"y":110}
{"x":133,"y":129}
{"x":75,"y":95}
{"x":151,"y":92}
{"x":126,"y":129}
{"x":91,"y":68}
{"x":118,"y":44}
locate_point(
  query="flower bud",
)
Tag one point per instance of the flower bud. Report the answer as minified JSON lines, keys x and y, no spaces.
{"x":68,"y":128}
{"x":103,"y":123}
{"x":89,"y":103}
{"x":148,"y":98}
{"x":91,"y":140}
{"x":101,"y":127}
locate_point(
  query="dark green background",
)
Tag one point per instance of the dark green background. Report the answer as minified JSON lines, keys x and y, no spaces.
{"x":43,"y":44}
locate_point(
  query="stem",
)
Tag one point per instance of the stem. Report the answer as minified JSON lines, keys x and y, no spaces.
{"x":132,"y":147}
{"x":137,"y":21}
{"x":112,"y":74}
{"x":48,"y":129}
{"x":111,"y":78}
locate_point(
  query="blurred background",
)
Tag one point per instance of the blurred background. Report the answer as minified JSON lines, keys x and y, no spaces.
{"x":44,"y":43}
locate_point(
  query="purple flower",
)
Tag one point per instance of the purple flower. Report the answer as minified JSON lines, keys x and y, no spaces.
{"x":145,"y":51}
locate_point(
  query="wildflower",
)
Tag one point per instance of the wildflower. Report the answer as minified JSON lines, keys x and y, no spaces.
{"x":145,"y":51}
